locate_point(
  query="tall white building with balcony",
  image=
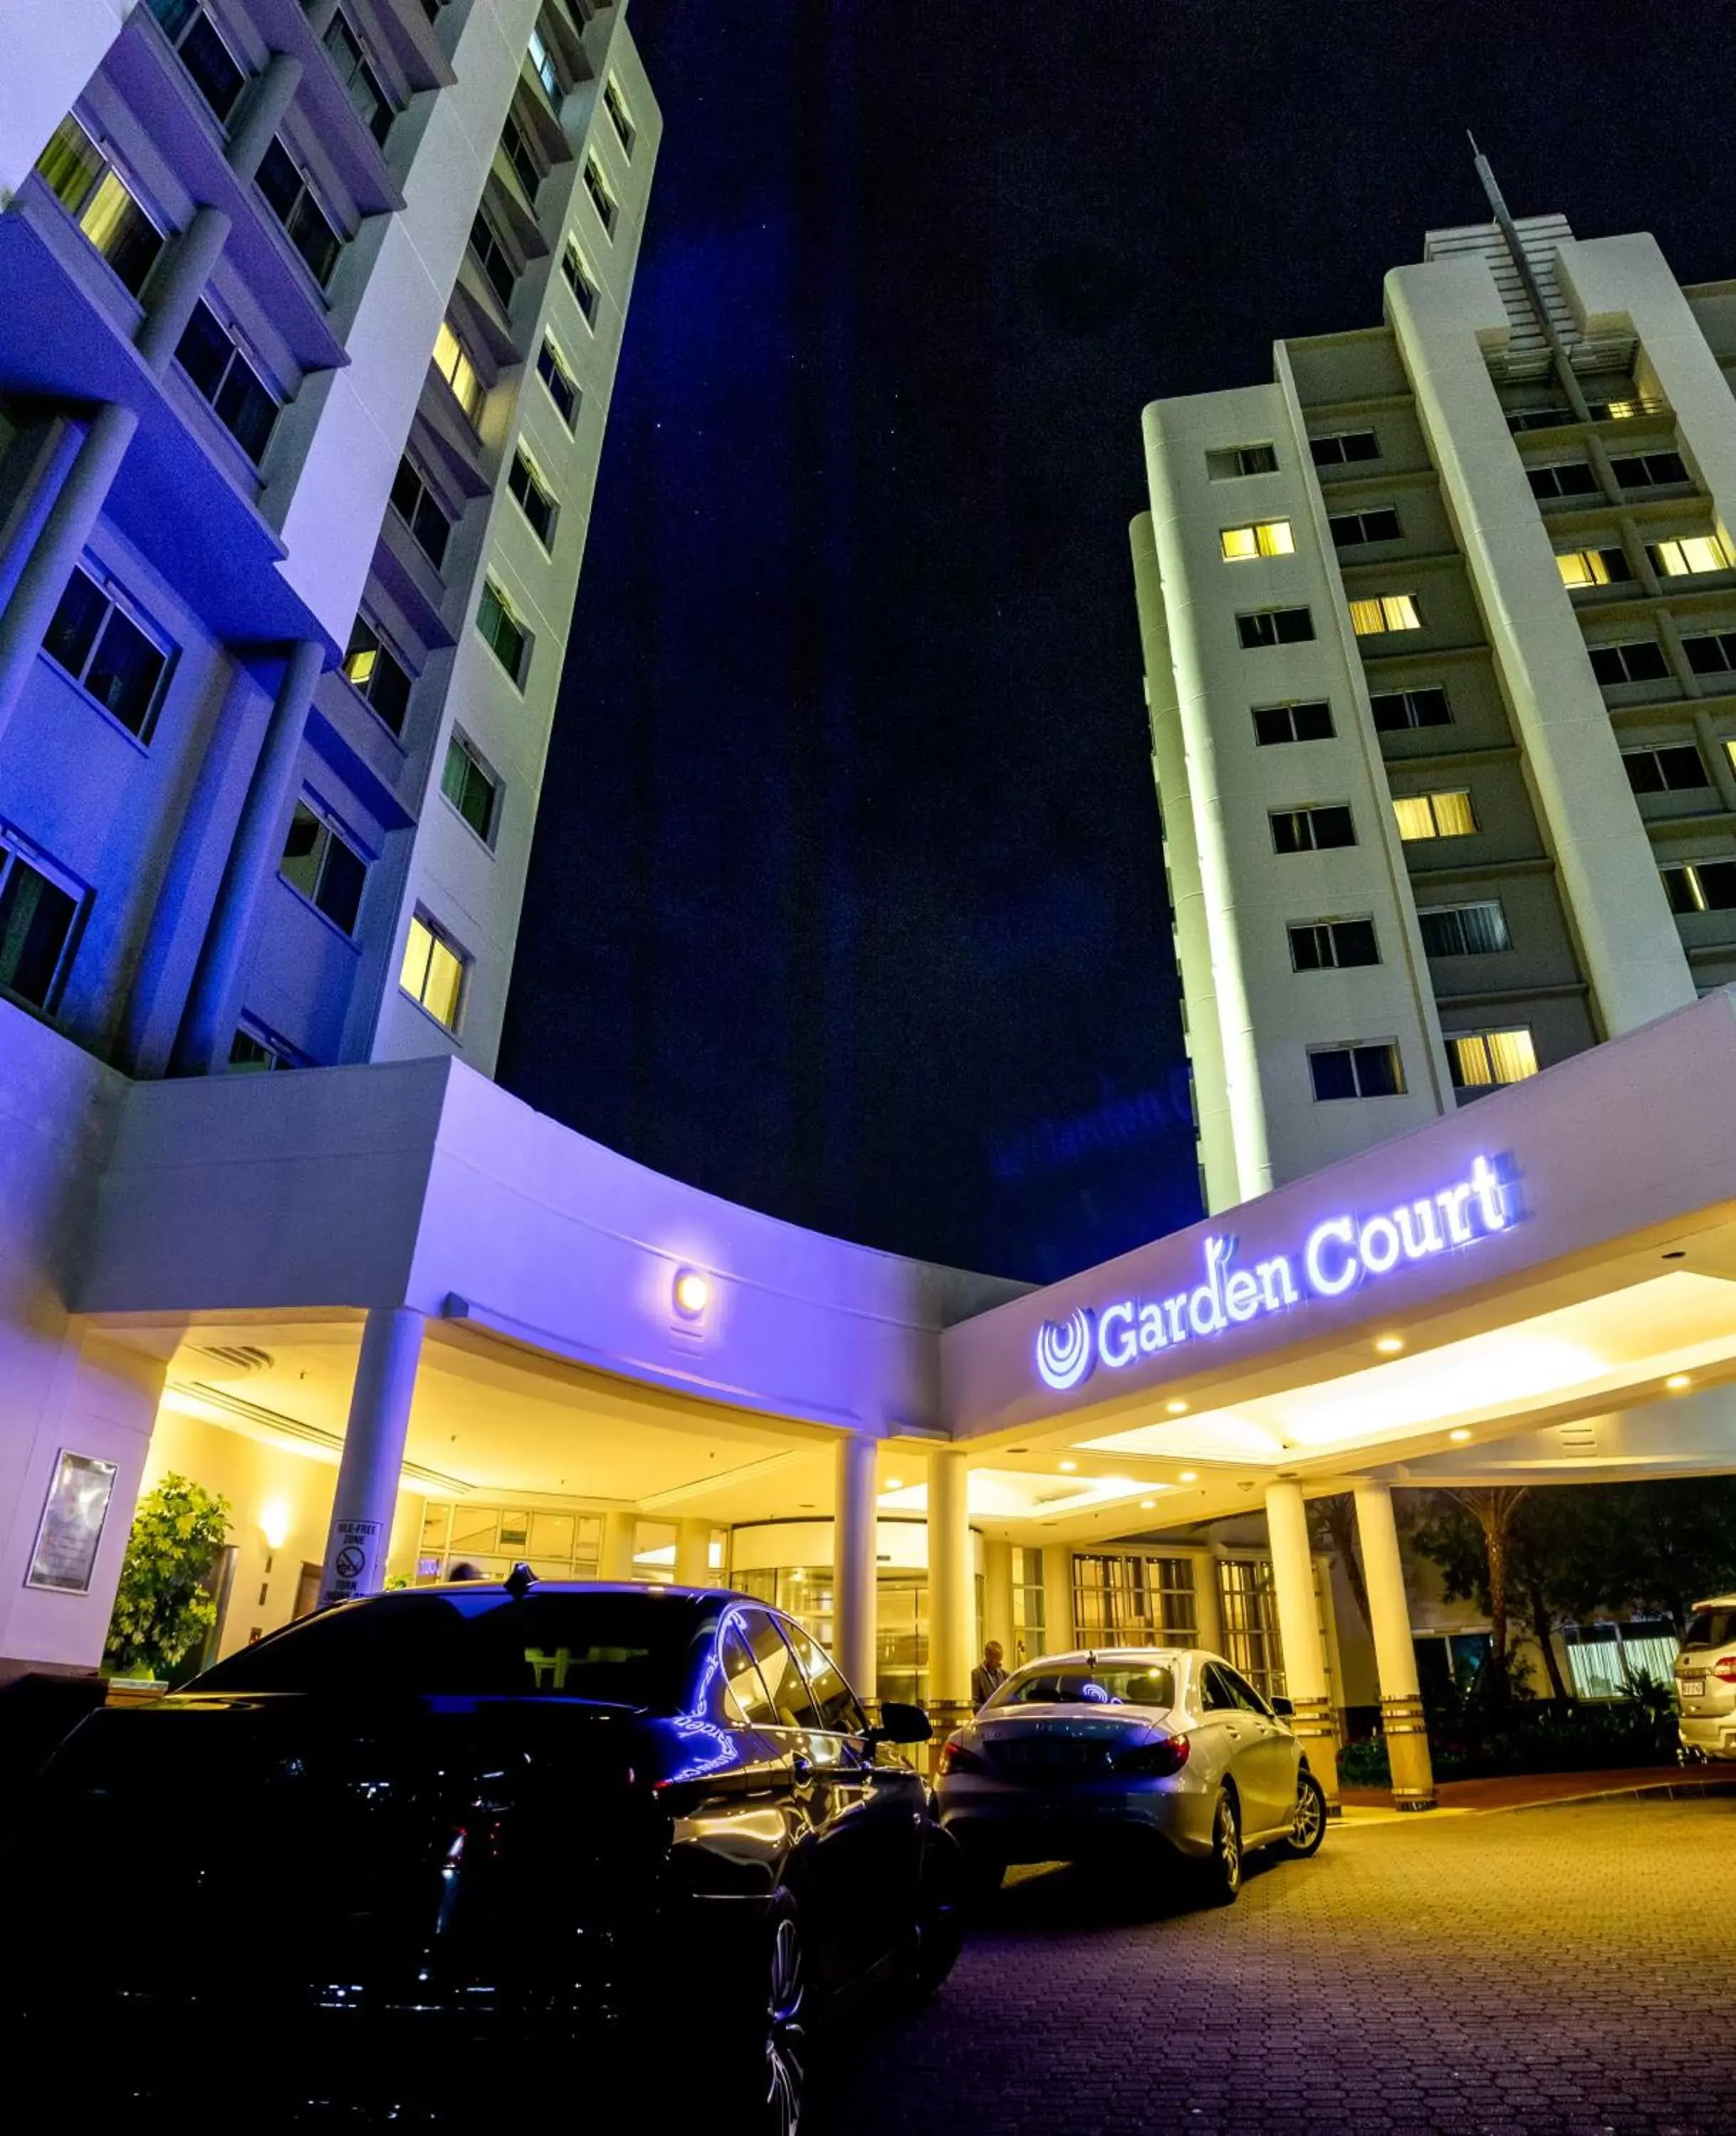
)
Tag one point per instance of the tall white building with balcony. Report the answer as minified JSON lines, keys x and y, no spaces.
{"x":1440,"y":646}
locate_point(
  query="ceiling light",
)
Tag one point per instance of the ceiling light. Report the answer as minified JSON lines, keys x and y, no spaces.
{"x":1146,"y":1504}
{"x":692,"y":1292}
{"x":1389,"y":1346}
{"x":1068,"y":1468}
{"x":1462,"y":1434}
{"x":275,"y":1521}
{"x":1677,"y":1381}
{"x":894,"y":1484}
{"x":1191,"y":1475}
{"x":1176,"y":1408}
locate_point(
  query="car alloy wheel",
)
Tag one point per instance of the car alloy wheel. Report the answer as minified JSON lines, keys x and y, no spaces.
{"x":1308,"y":1827}
{"x":1225,"y":1849}
{"x":786,"y":2040}
{"x":939,"y":1927}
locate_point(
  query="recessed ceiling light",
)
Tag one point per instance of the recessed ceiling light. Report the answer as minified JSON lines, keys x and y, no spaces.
{"x":1191,"y":1475}
{"x":1677,"y":1381}
{"x":692,"y":1292}
{"x":1389,"y":1346}
{"x":1146,"y":1504}
{"x":1068,"y":1467}
{"x":894,"y":1484}
{"x":1176,"y":1408}
{"x":1460,"y":1433}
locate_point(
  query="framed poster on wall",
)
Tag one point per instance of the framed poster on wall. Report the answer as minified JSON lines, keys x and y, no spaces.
{"x":71,"y":1526}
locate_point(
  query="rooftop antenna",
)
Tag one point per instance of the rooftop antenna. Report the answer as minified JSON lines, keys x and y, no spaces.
{"x":1563,"y":369}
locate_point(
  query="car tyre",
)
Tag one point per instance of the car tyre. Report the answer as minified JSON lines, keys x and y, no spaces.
{"x":1308,"y":1827}
{"x":1222,"y":1869}
{"x":763,"y":2061}
{"x":940,"y":1927}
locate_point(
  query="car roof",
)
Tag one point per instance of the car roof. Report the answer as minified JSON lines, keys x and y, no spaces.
{"x":540,"y":1586}
{"x":1085,"y":1657}
{"x":1717,"y":1602}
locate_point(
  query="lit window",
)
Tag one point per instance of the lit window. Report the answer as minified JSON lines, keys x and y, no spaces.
{"x":601,"y":199}
{"x":421,"y":512}
{"x":534,"y":499}
{"x":1356,"y":1071}
{"x":452,"y":361}
{"x":1339,"y":447}
{"x":322,"y":864}
{"x":1480,"y":1060}
{"x":1324,"y":945}
{"x":1729,"y":750}
{"x":1383,"y":612}
{"x":581,"y":281}
{"x":1593,"y":567}
{"x":1635,"y":660}
{"x":1312,"y":722}
{"x":106,"y":652}
{"x":217,"y":74}
{"x":1446,"y":814}
{"x":1352,"y":530}
{"x":1265,"y":537}
{"x":471,"y":787}
{"x":543,"y":65}
{"x":37,"y":917}
{"x":1677,"y":768}
{"x":1395,"y":709}
{"x":619,"y":117}
{"x":80,"y":175}
{"x":1701,"y":886}
{"x":1689,"y":555}
{"x":243,"y":403}
{"x":433,"y":969}
{"x":562,"y":389}
{"x":1464,"y":930}
{"x":1226,"y":463}
{"x":1275,"y":626}
{"x":375,"y":671}
{"x":507,"y":638}
{"x":1311,"y":830}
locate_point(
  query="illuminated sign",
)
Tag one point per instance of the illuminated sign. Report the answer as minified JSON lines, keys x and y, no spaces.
{"x":1339,"y":1253}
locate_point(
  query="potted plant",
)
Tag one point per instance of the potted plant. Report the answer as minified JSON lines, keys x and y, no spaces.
{"x":164,"y":1607}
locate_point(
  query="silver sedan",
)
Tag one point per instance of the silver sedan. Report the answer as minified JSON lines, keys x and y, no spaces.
{"x":1167,"y":1748}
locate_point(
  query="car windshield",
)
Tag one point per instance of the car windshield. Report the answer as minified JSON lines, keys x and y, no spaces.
{"x":1711,"y":1627}
{"x":628,"y":1649}
{"x":1110,"y":1683}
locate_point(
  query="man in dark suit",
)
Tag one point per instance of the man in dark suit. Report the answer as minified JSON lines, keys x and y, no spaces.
{"x":988,"y":1677}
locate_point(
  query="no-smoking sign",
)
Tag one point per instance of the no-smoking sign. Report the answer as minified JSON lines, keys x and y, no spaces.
{"x":354,"y":1567}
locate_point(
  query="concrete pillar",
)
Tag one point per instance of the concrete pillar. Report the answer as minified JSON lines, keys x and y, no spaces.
{"x":1208,"y":1604}
{"x":951,"y":1610}
{"x":997,"y":1597}
{"x":692,"y":1553}
{"x":621,"y":1539}
{"x":372,"y":1461}
{"x":262,"y":113}
{"x":84,"y":485}
{"x":855,"y":1591}
{"x":1395,"y":1657}
{"x":1058,"y":1598}
{"x":177,"y":284}
{"x":1299,"y":1627}
{"x":203,"y":1044}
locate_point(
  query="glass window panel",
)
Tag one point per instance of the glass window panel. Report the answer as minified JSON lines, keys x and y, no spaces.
{"x":35,"y":919}
{"x":72,"y":630}
{"x":71,"y":165}
{"x":124,"y":674}
{"x":551,"y":1537}
{"x":303,"y":848}
{"x":474,"y":1530}
{"x":1416,"y":818}
{"x":1454,"y":817}
{"x":121,"y":231}
{"x":444,"y":983}
{"x":1513,"y":1055}
{"x":341,"y":880}
{"x":413,"y":974}
{"x":1332,"y":1073}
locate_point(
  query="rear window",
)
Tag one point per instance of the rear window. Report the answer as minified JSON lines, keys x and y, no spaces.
{"x":626,"y":1649}
{"x":1711,"y":1627}
{"x":1129,"y":1684}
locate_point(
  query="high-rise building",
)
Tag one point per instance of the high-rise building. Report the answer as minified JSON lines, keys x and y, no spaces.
{"x":311,"y":322}
{"x":1439,"y":641}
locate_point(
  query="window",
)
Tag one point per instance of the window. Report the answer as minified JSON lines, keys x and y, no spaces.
{"x":1028,"y":1613}
{"x":1479,"y":1059}
{"x":1729,"y":750}
{"x":80,"y":175}
{"x":1356,"y":1071}
{"x":1337,"y":448}
{"x":1129,"y":1599}
{"x":1396,"y":710}
{"x":243,"y":403}
{"x":1714,"y":652}
{"x":360,"y":84}
{"x":1226,"y":463}
{"x":562,"y":390}
{"x":1382,"y":611}
{"x":1553,"y":416}
{"x":1350,"y":529}
{"x":1593,"y":567}
{"x":508,"y":639}
{"x":253,"y":1052}
{"x":111,"y":657}
{"x":38,"y":915}
{"x":1636,"y":660}
{"x":534,"y":500}
{"x":493,"y":258}
{"x":452,"y":361}
{"x":839,"y":1712}
{"x":1688,"y":555}
{"x":600,"y":196}
{"x":415,"y":504}
{"x":1444,"y":813}
{"x":217,"y":74}
{"x":1562,"y":478}
{"x":1677,"y":768}
{"x":1333,"y":945}
{"x":1265,"y":537}
{"x":323,"y":867}
{"x":1701,"y":886}
{"x":1311,"y":830}
{"x":376,"y":673}
{"x":526,"y":164}
{"x":1275,"y":626}
{"x":1648,"y":470}
{"x":626,"y":133}
{"x":543,"y":65}
{"x":1310,"y":721}
{"x":1464,"y":930}
{"x":290,"y":197}
{"x":579,"y":279}
{"x":434,"y":969}
{"x":470,"y":787}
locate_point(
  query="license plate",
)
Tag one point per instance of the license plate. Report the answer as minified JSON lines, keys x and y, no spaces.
{"x":1693,"y":1687}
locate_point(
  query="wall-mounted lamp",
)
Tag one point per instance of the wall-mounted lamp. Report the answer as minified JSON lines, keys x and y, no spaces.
{"x":275,"y":1521}
{"x":692,"y":1292}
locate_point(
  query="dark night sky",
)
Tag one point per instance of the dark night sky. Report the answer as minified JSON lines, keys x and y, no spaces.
{"x":847,"y":900}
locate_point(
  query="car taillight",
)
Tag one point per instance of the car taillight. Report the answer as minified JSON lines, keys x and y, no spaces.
{"x":1725,"y":1669}
{"x":1155,"y":1760}
{"x":955,"y":1757}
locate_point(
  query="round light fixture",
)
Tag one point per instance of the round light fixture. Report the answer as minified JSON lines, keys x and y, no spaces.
{"x":692,"y":1292}
{"x":1461,"y":1434}
{"x":1176,"y":1408}
{"x":1191,"y":1475}
{"x":1067,"y":1467}
{"x":1389,"y":1346}
{"x":1146,"y":1504}
{"x":1677,"y":1382}
{"x":894,"y":1484}
{"x":276,"y":1521}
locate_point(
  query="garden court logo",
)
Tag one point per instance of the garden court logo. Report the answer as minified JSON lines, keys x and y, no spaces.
{"x":1065,"y":1354}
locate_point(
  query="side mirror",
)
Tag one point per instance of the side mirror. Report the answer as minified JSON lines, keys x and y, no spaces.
{"x":903,"y":1723}
{"x":1282,"y":1707}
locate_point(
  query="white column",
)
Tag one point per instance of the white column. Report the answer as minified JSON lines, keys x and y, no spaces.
{"x":854,"y":1573}
{"x":1208,"y":1604}
{"x":997,"y":1598}
{"x":360,"y":1535}
{"x":1058,"y":1598}
{"x":692,"y":1553}
{"x":951,"y":1614}
{"x":1395,"y":1657}
{"x":1299,"y":1627}
{"x":621,"y":1538}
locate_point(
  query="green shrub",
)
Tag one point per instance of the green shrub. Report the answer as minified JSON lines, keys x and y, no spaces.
{"x":163,"y":1607}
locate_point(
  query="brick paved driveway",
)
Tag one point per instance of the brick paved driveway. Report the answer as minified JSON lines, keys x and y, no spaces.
{"x":1525,"y":1974}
